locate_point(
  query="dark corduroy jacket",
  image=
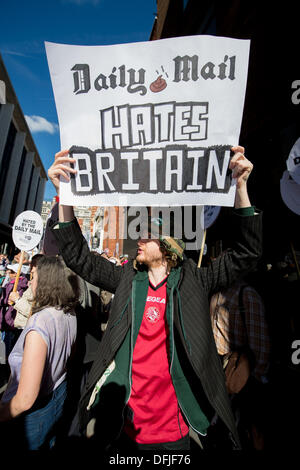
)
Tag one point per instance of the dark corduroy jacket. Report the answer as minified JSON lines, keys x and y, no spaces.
{"x":195,"y":344}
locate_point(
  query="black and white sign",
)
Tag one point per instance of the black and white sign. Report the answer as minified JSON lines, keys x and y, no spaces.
{"x":150,"y":124}
{"x":27,"y":230}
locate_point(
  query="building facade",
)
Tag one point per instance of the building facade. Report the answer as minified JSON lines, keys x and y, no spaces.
{"x":46,"y":209}
{"x":22,"y":174}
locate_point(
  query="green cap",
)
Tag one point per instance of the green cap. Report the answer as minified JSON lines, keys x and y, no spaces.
{"x":171,"y":244}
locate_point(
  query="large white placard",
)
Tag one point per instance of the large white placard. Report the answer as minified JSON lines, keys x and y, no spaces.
{"x":150,"y":123}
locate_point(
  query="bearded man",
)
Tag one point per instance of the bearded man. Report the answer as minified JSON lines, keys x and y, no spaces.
{"x":157,"y":372}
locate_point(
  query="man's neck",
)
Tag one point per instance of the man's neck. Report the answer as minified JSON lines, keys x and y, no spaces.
{"x":157,"y":273}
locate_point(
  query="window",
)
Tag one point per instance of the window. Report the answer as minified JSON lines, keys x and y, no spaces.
{"x":7,"y":157}
{"x":17,"y":187}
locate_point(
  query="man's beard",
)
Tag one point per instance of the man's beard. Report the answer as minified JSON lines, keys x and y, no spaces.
{"x":153,"y":261}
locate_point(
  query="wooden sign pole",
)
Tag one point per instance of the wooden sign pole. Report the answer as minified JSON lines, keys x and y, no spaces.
{"x":19,"y":271}
{"x":202,"y":248}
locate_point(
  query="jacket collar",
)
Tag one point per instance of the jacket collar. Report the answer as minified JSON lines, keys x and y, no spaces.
{"x":141,"y":275}
{"x":172,"y":281}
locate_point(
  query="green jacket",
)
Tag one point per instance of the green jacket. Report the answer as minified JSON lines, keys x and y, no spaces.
{"x":121,"y":373}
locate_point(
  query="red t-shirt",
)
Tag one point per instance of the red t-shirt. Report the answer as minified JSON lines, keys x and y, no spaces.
{"x":154,"y":414}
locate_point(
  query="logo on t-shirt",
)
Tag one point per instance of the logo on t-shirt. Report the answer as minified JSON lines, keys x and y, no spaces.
{"x":159,"y":300}
{"x":152,"y":314}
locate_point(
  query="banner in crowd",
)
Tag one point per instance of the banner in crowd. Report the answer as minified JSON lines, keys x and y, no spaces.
{"x":150,"y":123}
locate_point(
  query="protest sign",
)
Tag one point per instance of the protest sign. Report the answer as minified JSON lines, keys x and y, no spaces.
{"x":293,"y":162}
{"x":290,"y":192}
{"x":210,"y":215}
{"x":27,"y":230}
{"x":150,"y":123}
{"x":27,"y":234}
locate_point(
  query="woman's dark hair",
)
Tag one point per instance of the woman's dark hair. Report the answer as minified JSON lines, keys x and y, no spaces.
{"x":35,"y":259}
{"x":57,"y":285}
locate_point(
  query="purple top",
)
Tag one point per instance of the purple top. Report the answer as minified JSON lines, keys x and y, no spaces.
{"x":58,"y":330}
{"x":7,"y":312}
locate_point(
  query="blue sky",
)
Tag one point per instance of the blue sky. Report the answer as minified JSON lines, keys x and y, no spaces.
{"x":25,"y":25}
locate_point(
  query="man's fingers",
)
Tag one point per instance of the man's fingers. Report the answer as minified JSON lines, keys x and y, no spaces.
{"x":60,"y":164}
{"x":241,"y":162}
{"x":236,"y":158}
{"x":238,"y":148}
{"x":56,"y":173}
{"x":62,"y":153}
{"x":63,"y":159}
{"x":241,"y":172}
{"x":61,"y":170}
{"x":61,"y":167}
{"x":241,"y":167}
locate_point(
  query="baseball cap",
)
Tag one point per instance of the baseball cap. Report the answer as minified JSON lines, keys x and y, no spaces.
{"x":15,"y":267}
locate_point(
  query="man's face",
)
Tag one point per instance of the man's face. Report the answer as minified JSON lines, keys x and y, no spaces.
{"x":149,"y":252}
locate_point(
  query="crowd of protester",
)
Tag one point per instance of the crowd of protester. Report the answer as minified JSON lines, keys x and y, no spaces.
{"x":92,"y":311}
{"x":91,"y":308}
{"x":83,"y":312}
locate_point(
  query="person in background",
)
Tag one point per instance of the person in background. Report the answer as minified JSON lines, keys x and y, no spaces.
{"x":239,"y":324}
{"x":3,"y":261}
{"x":23,"y":304}
{"x":26,"y":257}
{"x":3,"y":270}
{"x":7,"y":310}
{"x":2,"y":275}
{"x":32,"y":404}
{"x":89,"y":334}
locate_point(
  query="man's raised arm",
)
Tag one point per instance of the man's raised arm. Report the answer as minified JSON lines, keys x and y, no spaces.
{"x":61,"y":167}
{"x":241,"y":169}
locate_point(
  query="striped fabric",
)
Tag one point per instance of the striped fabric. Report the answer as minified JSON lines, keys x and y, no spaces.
{"x":228,"y":326}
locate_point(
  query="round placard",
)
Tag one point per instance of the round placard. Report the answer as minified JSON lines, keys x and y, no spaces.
{"x":27,"y":230}
{"x":290,"y":192}
{"x":293,"y":162}
{"x":210,"y":215}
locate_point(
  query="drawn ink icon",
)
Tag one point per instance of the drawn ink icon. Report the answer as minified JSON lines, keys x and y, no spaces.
{"x":160,"y":83}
